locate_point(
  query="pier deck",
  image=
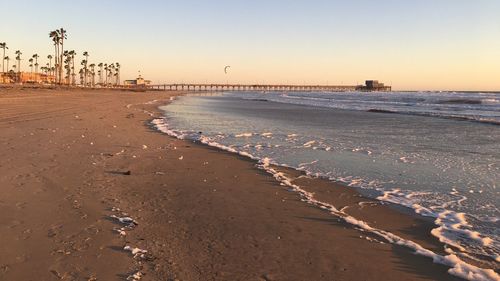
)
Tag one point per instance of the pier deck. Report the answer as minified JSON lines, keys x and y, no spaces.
{"x":256,"y":87}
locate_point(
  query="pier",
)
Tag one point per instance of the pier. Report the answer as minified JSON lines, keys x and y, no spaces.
{"x":253,"y":87}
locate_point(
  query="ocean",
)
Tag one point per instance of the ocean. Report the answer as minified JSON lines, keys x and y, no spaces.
{"x":437,"y":153}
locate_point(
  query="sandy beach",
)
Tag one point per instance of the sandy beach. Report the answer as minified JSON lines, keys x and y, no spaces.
{"x":75,"y":162}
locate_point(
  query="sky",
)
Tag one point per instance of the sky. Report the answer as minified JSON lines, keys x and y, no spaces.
{"x":410,"y":44}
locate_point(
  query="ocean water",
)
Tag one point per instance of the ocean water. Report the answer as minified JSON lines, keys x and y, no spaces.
{"x":437,"y":153}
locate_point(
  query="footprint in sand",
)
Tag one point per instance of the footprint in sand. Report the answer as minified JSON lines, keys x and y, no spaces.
{"x":4,"y":268}
{"x":26,"y":234}
{"x":54,"y":230}
{"x":21,"y":205}
{"x":23,"y":258}
{"x":15,"y":223}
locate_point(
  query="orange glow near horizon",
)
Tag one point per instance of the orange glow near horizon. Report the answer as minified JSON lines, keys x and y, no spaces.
{"x":411,"y":45}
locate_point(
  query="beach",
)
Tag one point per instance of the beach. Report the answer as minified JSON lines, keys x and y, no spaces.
{"x":84,"y":174}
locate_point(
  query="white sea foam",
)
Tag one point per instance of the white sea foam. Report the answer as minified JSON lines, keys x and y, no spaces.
{"x":455,"y":224}
{"x":490,"y":101}
{"x":302,"y":165}
{"x":309,"y":143}
{"x":244,"y":135}
{"x":457,"y":266}
{"x":404,"y":160}
{"x":452,"y":227}
{"x":362,"y":150}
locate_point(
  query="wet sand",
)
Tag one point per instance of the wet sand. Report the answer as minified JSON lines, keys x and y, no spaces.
{"x":71,"y":159}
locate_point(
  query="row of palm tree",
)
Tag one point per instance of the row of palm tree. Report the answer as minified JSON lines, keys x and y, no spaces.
{"x":7,"y":59}
{"x":63,"y":68}
{"x":87,"y":73}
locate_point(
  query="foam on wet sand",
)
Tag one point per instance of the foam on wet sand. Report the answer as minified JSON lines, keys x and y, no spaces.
{"x":458,"y":267}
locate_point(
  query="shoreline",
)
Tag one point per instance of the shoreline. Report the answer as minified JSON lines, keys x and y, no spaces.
{"x":422,"y":241}
{"x":196,"y":220}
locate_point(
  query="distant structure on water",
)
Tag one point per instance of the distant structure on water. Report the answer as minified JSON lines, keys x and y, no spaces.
{"x":373,"y":85}
{"x":138,"y":82}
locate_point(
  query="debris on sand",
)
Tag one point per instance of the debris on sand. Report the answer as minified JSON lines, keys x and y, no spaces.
{"x":136,"y":252}
{"x":124,"y":173}
{"x":135,"y":277}
{"x":128,"y":221}
{"x":121,"y":231}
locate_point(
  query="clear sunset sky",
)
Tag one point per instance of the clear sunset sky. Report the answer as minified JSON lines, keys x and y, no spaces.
{"x":413,"y":44}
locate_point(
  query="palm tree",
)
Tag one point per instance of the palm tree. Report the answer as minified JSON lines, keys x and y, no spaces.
{"x":72,"y":54}
{"x":45,"y":70}
{"x":55,"y":38}
{"x":50,"y":62}
{"x":63,"y":64}
{"x":7,"y":59}
{"x":84,"y":64}
{"x":18,"y":58}
{"x":53,"y":70}
{"x":31,"y":65}
{"x":86,"y":55}
{"x":111,"y":68}
{"x":118,"y":73}
{"x":68,"y":65}
{"x":81,"y":75}
{"x":68,"y":71}
{"x":58,"y":36}
{"x":36,"y":56}
{"x":13,"y":73}
{"x":92,"y":72}
{"x":4,"y":46}
{"x":100,"y":65}
{"x":62,"y":35}
{"x":106,"y":69}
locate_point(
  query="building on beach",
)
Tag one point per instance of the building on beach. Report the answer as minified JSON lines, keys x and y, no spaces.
{"x":373,"y":85}
{"x":26,"y":78}
{"x":138,"y":82}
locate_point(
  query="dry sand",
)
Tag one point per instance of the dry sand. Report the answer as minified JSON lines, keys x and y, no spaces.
{"x":69,"y":157}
